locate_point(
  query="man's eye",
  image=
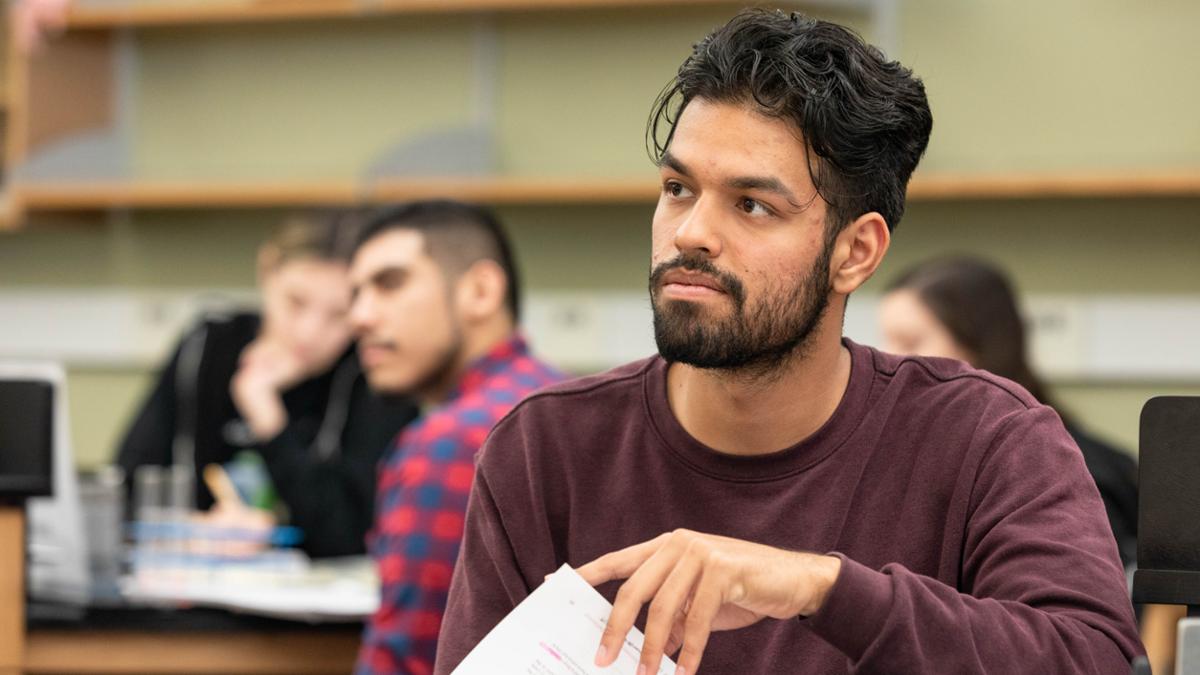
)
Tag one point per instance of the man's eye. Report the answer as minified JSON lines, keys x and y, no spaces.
{"x":676,"y":189}
{"x":753,"y":207}
{"x":390,"y":282}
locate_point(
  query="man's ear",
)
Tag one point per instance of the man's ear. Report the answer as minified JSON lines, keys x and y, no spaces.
{"x":480,"y":291}
{"x":858,"y":252}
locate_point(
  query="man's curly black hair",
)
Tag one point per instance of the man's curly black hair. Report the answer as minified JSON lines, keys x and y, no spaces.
{"x":865,"y":118}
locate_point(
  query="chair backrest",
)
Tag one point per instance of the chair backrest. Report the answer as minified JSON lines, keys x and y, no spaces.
{"x":1169,"y":502}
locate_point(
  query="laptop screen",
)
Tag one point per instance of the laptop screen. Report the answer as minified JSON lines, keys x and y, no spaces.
{"x":26,"y":437}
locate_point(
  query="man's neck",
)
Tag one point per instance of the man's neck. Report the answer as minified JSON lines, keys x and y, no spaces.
{"x":744,"y":414}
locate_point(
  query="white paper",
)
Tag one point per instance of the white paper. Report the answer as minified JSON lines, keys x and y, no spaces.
{"x":555,"y":631}
{"x":282,"y":584}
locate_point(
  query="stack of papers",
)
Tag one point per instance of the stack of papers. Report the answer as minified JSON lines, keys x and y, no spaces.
{"x":285,"y":586}
{"x":555,"y":631}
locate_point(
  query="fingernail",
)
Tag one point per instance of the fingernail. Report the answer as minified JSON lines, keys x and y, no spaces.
{"x":680,"y":670}
{"x":641,"y":669}
{"x":600,"y":654}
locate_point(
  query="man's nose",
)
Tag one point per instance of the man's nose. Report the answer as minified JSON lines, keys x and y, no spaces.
{"x":699,"y":231}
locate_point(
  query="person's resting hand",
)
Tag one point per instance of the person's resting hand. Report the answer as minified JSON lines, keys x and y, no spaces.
{"x":233,"y":530}
{"x":697,"y":583}
{"x":265,"y":370}
{"x":231,"y":527}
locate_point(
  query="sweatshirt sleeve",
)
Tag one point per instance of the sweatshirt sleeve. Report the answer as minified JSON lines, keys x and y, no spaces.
{"x":1041,"y":587}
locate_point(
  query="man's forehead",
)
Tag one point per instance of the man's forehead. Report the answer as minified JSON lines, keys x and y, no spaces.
{"x":401,"y":248}
{"x":746,"y":116}
{"x":736,"y":138}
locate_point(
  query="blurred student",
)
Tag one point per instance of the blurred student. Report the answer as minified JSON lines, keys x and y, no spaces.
{"x":286,"y":384}
{"x":435,"y":313}
{"x":964,"y":308}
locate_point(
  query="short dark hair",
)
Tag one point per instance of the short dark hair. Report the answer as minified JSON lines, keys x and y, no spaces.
{"x":864,"y":117}
{"x":457,"y":235}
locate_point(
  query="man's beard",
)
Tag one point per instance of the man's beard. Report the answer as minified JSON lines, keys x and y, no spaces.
{"x":754,"y":340}
{"x":438,"y":378}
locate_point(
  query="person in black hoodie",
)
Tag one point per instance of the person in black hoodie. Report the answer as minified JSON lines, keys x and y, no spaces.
{"x":286,"y":383}
{"x":965,"y":308}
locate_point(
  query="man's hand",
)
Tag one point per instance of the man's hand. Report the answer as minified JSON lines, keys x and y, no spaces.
{"x":697,"y":583}
{"x":265,"y":370}
{"x":232,"y":527}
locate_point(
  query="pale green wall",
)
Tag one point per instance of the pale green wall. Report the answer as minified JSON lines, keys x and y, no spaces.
{"x":1015,"y":85}
{"x":1049,"y":84}
{"x":1111,"y":410}
{"x":101,"y":401}
{"x":320,"y":101}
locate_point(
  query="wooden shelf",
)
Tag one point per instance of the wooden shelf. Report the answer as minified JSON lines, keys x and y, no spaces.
{"x":100,"y":195}
{"x":92,"y":196}
{"x":935,"y":187}
{"x":517,"y":191}
{"x":95,"y":196}
{"x":150,"y":13}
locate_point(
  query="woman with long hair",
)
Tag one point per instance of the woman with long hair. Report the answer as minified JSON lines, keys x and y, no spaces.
{"x":965,"y":308}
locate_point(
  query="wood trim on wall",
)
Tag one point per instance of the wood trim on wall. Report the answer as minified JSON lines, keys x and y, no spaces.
{"x":515,"y":190}
{"x":145,"y":14}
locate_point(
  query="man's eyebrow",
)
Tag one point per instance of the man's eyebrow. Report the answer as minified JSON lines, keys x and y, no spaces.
{"x":672,"y":162}
{"x":764,"y":183}
{"x":379,"y":276}
{"x":389,"y":271}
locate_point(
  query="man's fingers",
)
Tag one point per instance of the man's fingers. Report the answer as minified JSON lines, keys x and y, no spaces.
{"x":668,"y":604}
{"x":707,"y":600}
{"x":643,"y":584}
{"x":619,"y":564}
{"x":628,"y":603}
{"x":675,"y":639}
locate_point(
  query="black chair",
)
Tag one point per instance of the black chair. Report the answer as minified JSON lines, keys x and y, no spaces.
{"x":1168,"y":550}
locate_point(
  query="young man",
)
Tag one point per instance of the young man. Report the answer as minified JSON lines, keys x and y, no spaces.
{"x":779,"y":499}
{"x":435,"y":312}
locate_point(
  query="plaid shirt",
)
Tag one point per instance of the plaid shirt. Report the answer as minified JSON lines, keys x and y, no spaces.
{"x":422,"y":497}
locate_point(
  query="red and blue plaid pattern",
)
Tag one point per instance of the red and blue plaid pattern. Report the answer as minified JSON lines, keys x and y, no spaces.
{"x":421,"y":499}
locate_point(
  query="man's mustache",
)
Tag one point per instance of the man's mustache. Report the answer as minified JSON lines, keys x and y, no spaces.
{"x":701,"y":265}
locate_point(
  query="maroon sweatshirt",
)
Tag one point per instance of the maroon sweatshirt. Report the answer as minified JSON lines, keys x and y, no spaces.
{"x":973,"y":539}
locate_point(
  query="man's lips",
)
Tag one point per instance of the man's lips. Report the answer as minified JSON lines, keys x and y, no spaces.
{"x":372,"y":353}
{"x":683,"y":284}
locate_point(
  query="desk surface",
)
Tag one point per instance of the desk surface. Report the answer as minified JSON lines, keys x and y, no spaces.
{"x":197,"y":641}
{"x":300,"y":651}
